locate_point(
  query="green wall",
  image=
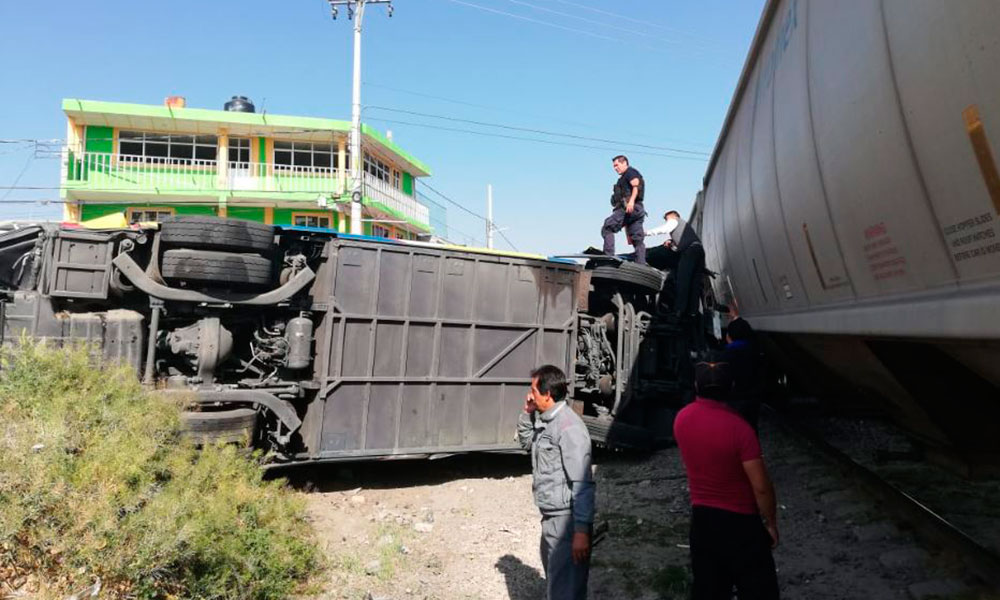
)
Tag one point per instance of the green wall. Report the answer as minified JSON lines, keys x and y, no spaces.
{"x":194,"y":210}
{"x":283,"y":216}
{"x":407,"y":183}
{"x":99,"y":139}
{"x":250,"y":213}
{"x":92,"y":211}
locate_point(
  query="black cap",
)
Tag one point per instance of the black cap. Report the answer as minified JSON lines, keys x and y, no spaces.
{"x":713,"y":379}
{"x":739,"y":329}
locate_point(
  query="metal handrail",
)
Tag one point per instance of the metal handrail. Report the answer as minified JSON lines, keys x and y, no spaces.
{"x":107,"y":171}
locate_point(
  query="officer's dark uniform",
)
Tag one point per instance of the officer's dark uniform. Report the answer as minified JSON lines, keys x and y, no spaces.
{"x":632,"y":223}
{"x":690,"y":265}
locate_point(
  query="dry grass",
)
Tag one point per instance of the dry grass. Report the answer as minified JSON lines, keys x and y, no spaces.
{"x":96,"y":483}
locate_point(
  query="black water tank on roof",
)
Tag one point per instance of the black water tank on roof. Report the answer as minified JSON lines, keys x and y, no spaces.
{"x":239,"y":104}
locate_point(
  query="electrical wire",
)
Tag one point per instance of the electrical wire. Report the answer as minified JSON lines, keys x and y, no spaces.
{"x":41,"y":201}
{"x":618,"y":40}
{"x":27,"y":163}
{"x":509,"y":243}
{"x":539,"y":131}
{"x":536,"y":140}
{"x":474,"y":214}
{"x":591,"y":21}
{"x":169,"y":137}
{"x":519,"y":112}
{"x":449,"y":200}
{"x":624,"y":18}
{"x":538,"y":21}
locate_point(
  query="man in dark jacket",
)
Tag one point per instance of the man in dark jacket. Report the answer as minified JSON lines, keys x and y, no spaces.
{"x":690,"y":265}
{"x":627,"y":210}
{"x":747,"y":366}
{"x":562,"y":482}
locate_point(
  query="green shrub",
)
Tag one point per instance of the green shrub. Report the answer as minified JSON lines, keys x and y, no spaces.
{"x":96,"y":482}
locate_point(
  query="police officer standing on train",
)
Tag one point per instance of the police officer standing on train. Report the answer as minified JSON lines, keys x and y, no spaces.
{"x":627,"y":210}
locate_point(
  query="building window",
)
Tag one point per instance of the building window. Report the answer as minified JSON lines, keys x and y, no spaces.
{"x":167,"y":146}
{"x":305,"y":154}
{"x":376,"y":168}
{"x":148,"y":215}
{"x":239,"y":150}
{"x":401,"y":235}
{"x":311,"y":220}
{"x":380,"y":231}
{"x":396,"y":180}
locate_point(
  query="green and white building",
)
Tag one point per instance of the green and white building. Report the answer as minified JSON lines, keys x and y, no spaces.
{"x":148,"y":161}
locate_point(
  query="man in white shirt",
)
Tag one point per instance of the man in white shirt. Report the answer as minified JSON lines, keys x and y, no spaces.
{"x":690,"y":263}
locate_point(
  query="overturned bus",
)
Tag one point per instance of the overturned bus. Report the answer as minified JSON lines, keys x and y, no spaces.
{"x":318,"y":346}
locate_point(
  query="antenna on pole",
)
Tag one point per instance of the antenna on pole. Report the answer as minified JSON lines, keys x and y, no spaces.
{"x":356,"y":12}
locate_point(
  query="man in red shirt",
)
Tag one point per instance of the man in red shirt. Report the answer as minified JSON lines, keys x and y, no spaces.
{"x":730,"y":492}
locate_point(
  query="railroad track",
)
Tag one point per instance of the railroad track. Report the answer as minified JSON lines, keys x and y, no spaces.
{"x":928,"y":525}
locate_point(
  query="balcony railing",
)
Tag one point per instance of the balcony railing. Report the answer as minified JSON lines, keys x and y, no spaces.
{"x":113,"y":172}
{"x":392,"y":198}
{"x":98,"y":171}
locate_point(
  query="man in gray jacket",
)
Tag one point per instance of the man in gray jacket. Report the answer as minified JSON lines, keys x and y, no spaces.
{"x":563,"y":484}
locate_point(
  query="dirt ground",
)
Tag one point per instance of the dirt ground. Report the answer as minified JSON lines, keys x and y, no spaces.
{"x":466,"y":528}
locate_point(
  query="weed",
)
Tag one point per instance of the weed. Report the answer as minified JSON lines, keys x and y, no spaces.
{"x":96,"y":481}
{"x":671,"y":582}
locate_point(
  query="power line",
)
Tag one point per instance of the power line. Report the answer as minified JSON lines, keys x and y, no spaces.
{"x":624,"y":18}
{"x":536,"y":140}
{"x":174,"y":137}
{"x":474,"y":214}
{"x":447,"y":199}
{"x":509,"y":243}
{"x":48,"y":201}
{"x":693,"y":154}
{"x":520,"y":112}
{"x":42,"y":201}
{"x":540,"y":131}
{"x":13,"y":151}
{"x":618,"y":40}
{"x":591,"y":21}
{"x":24,"y":169}
{"x":538,"y":21}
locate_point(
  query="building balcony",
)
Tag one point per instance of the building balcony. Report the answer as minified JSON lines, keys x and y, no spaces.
{"x":114,"y":173}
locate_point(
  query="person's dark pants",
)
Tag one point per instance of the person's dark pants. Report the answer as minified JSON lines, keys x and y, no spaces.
{"x":689,"y":278}
{"x":633,"y":228}
{"x":564,"y":579}
{"x":662,"y":257}
{"x":749,"y":409}
{"x":730,"y":549}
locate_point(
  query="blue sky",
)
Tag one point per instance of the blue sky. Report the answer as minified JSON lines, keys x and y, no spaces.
{"x":650,"y":74}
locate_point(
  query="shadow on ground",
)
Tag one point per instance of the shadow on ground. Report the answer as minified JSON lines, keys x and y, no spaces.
{"x":523,"y":582}
{"x":403,"y":473}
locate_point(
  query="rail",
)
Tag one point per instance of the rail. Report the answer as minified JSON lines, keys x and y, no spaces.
{"x":928,"y":524}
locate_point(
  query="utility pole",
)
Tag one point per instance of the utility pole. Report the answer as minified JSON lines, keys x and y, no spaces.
{"x":489,"y":216}
{"x":356,"y":12}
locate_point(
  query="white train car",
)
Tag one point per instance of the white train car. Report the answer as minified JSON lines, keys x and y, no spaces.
{"x":851,"y":206}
